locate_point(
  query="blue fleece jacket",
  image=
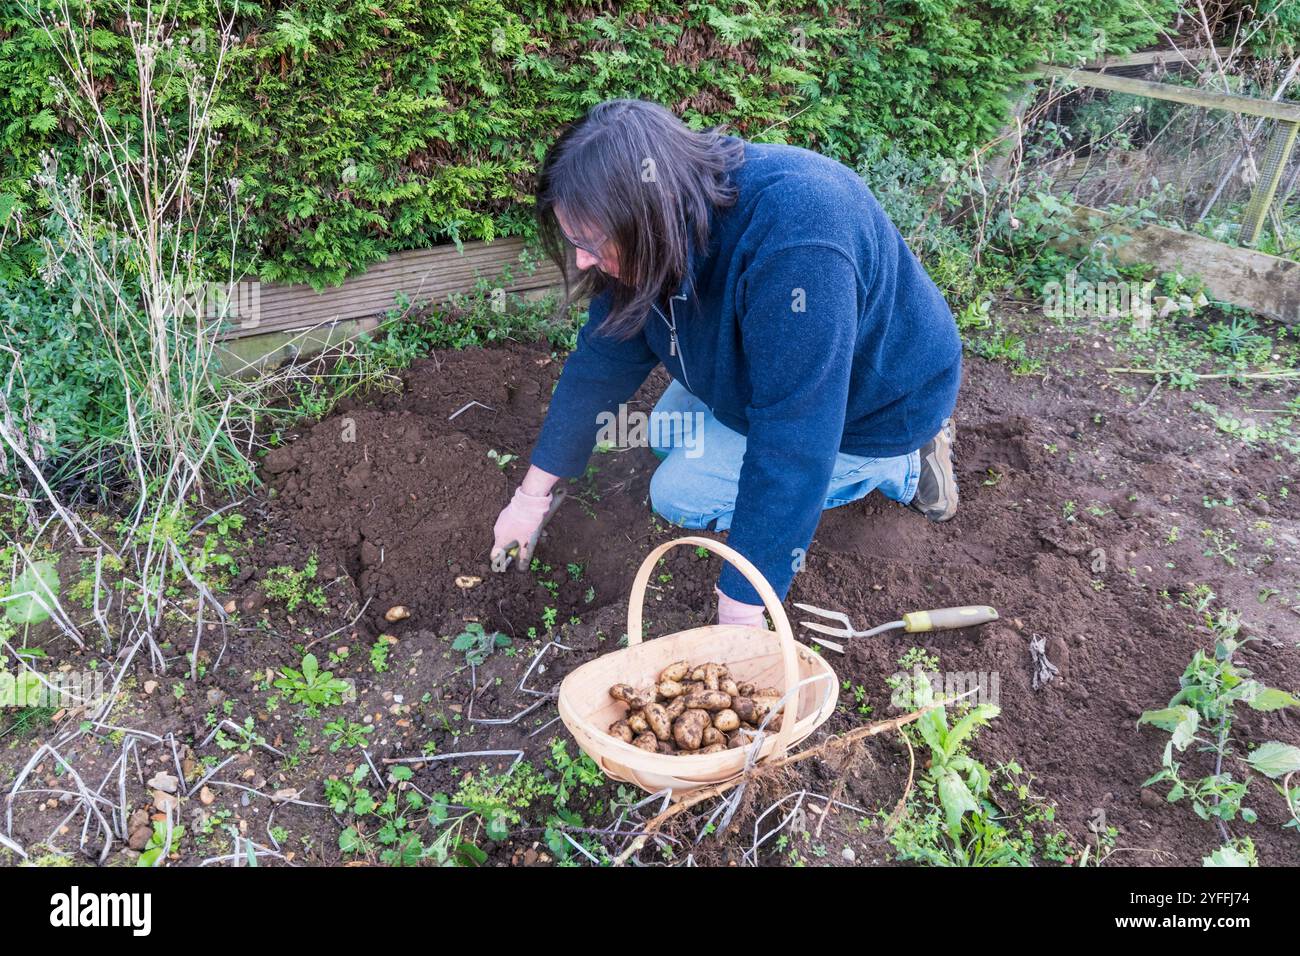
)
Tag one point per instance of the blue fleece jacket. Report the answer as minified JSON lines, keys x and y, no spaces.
{"x":807,"y":325}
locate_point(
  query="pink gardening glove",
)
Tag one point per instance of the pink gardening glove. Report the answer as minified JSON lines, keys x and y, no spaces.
{"x":731,"y":611}
{"x":518,"y":522}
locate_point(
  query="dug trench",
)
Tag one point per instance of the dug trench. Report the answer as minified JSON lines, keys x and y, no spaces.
{"x":398,"y":495}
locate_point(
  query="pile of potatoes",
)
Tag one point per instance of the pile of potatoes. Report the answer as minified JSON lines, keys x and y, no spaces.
{"x":693,"y":710}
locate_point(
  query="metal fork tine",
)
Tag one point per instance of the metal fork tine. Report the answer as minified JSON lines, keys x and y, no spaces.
{"x":839,"y":616}
{"x":825,"y":629}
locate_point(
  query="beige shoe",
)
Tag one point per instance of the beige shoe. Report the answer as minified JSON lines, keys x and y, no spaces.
{"x":936,"y":489}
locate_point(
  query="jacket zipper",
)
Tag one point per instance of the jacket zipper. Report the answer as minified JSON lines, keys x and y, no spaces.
{"x":674,"y":344}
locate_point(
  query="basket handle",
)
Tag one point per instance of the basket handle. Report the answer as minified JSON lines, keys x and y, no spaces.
{"x":774,"y":609}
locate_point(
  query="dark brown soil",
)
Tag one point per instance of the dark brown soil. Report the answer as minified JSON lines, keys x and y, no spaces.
{"x":407,"y":506}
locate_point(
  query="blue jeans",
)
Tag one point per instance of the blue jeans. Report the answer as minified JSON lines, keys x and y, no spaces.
{"x":698,"y":476}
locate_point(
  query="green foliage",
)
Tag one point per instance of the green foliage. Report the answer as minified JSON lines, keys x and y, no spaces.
{"x":158,"y":846}
{"x":477,"y":644}
{"x":952,"y":819}
{"x":289,"y":585}
{"x":32,"y":592}
{"x":1211,"y":687}
{"x":346,"y":155}
{"x":1239,"y":852}
{"x":347,"y":733}
{"x":311,"y":685}
{"x":379,"y":655}
{"x":406,"y":829}
{"x":575,"y":774}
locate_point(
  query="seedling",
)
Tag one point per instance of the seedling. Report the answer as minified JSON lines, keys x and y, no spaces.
{"x":477,"y":644}
{"x":312,"y":686}
{"x":502,"y":460}
{"x":285,"y":584}
{"x":157,"y":845}
{"x":379,"y":654}
{"x":1211,"y":687}
{"x":347,"y":734}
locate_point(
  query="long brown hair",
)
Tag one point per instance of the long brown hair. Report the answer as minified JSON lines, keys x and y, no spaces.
{"x":632,"y":171}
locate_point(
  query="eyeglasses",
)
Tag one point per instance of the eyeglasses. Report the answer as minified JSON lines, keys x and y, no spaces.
{"x":590,"y":250}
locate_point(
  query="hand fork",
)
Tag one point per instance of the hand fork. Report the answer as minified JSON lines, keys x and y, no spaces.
{"x":939,"y":619}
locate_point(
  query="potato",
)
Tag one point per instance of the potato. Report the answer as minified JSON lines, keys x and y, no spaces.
{"x":623,"y":692}
{"x":674,"y":672}
{"x":748,"y":709}
{"x":661,"y":724}
{"x":670,"y":689}
{"x":712,"y":676}
{"x":694,"y":708}
{"x":641,"y":697}
{"x":688,"y":729}
{"x":726,"y":720}
{"x":768,"y":703}
{"x":711,"y":700}
{"x":720,"y":670}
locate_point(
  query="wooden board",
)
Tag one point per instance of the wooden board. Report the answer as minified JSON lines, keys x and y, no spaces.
{"x":425,"y":275}
{"x":1267,"y":285}
{"x":1159,"y":57}
{"x":246,"y":356}
{"x":1247,"y":105}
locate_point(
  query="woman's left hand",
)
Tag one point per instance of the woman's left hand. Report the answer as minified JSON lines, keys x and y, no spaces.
{"x":731,"y":611}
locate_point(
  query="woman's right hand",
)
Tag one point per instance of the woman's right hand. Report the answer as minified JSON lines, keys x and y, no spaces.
{"x":520,"y":519}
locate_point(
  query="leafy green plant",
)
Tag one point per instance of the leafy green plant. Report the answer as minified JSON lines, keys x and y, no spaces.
{"x":32,"y":592}
{"x":394,"y":822}
{"x":1202,"y":713}
{"x":249,"y":738}
{"x":502,"y":460}
{"x":158,"y":846}
{"x":379,"y":654}
{"x":311,"y":685}
{"x":284,"y":583}
{"x":952,"y":820}
{"x":407,"y":829}
{"x":1239,"y":852}
{"x":347,"y":733}
{"x":477,"y":644}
